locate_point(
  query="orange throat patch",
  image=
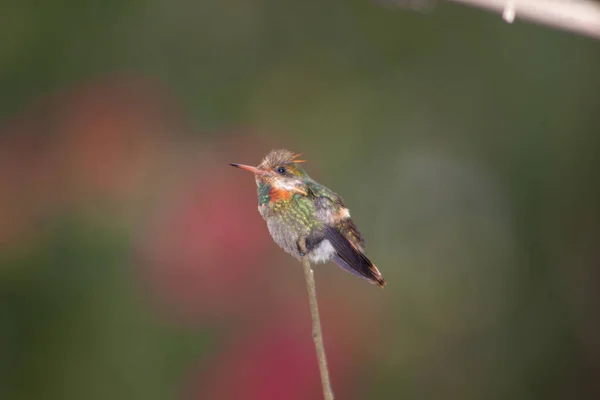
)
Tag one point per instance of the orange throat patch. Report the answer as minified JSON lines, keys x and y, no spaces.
{"x":277,"y":194}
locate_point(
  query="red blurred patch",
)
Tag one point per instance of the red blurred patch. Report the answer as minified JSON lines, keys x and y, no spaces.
{"x":95,"y":140}
{"x":206,"y":251}
{"x":277,"y":359}
{"x":110,"y":133}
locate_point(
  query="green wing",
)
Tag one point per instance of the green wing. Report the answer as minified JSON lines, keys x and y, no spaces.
{"x":347,"y":227}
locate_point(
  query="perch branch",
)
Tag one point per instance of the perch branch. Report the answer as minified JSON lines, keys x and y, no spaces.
{"x":316,"y":323}
{"x":578,"y":16}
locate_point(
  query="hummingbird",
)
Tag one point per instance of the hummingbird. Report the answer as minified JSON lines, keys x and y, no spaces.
{"x":296,"y":207}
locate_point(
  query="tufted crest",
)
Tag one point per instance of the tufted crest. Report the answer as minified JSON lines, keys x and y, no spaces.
{"x":279,"y":157}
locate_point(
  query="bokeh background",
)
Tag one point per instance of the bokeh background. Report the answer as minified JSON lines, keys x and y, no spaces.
{"x":134,"y":264}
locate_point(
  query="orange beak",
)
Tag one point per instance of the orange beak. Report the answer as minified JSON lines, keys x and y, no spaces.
{"x":249,"y":168}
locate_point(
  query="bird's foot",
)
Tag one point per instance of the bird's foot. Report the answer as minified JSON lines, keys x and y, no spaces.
{"x":302,"y":250}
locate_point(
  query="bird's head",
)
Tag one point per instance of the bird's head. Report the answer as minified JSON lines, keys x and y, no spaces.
{"x":280,"y":170}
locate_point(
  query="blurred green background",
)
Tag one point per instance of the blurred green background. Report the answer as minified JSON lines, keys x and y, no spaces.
{"x":134,"y":264}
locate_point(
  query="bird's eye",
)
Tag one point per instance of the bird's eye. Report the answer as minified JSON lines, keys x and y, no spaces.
{"x":281,"y":170}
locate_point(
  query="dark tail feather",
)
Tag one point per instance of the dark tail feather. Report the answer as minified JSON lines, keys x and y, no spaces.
{"x":351,"y":259}
{"x":373,"y":277}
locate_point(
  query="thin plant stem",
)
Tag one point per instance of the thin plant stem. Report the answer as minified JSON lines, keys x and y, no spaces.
{"x":316,"y":325}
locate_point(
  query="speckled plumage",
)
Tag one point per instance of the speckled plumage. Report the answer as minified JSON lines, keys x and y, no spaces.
{"x":295,"y":206}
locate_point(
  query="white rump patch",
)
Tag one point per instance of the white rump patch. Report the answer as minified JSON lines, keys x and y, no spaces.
{"x":344,"y":213}
{"x":322,"y":253}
